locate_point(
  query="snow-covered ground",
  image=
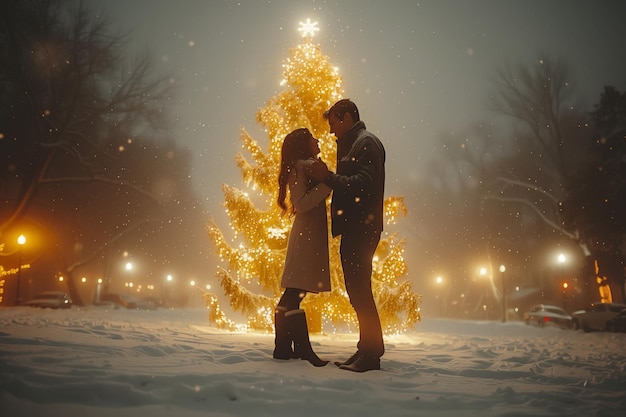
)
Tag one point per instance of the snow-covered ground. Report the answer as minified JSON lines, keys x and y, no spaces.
{"x":96,"y":362}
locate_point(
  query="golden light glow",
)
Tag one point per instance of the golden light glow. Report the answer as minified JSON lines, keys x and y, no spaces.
{"x":252,"y":259}
{"x":308,"y":29}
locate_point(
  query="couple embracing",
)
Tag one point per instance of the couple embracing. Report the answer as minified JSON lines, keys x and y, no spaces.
{"x":357,"y":216}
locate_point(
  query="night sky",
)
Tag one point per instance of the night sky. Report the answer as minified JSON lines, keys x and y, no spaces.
{"x":417,"y":70}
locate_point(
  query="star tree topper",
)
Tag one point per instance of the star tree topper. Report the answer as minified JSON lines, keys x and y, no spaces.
{"x":308,"y":29}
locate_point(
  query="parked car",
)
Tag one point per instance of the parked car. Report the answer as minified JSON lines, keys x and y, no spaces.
{"x":129,"y":302}
{"x":547,"y":315}
{"x":119,"y":300}
{"x":596,"y":317}
{"x":617,"y":323}
{"x":51,"y":299}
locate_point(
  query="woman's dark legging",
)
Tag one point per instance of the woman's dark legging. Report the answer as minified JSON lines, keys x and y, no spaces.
{"x":291,"y":298}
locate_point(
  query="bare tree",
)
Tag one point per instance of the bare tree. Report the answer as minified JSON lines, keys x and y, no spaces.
{"x":539,"y":96}
{"x":558,"y":143}
{"x":596,"y":201}
{"x":71,"y":112}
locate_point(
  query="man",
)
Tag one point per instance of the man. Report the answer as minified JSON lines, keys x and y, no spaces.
{"x":357,"y":215}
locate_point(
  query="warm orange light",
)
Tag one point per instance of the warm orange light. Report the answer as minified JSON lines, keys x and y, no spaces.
{"x":565,"y":285}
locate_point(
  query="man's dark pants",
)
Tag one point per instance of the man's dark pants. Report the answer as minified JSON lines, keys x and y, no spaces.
{"x":357,"y":251}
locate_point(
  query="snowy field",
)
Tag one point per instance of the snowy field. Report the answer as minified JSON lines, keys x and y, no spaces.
{"x":95,"y":362}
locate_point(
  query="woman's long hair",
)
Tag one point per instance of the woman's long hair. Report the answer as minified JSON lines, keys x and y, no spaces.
{"x":295,"y":146}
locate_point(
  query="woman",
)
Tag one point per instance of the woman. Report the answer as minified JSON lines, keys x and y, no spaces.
{"x":306,"y":262}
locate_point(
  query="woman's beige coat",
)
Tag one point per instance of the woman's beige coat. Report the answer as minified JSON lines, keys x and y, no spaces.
{"x":306,"y":262}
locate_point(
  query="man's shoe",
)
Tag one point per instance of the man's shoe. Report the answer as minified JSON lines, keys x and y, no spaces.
{"x":350,"y":360}
{"x":363,"y":364}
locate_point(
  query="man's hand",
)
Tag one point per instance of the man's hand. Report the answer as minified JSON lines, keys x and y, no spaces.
{"x":318,"y":170}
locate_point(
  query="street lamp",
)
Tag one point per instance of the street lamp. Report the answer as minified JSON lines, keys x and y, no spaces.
{"x":129,"y":268}
{"x":166,"y":289}
{"x":502,"y":269}
{"x":439,"y":282}
{"x":483,"y":274}
{"x":565,"y":286}
{"x":562,"y":260}
{"x":21,"y":240}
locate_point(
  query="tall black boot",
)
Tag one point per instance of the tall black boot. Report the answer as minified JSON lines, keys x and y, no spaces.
{"x":299,"y":330}
{"x":282,"y":341}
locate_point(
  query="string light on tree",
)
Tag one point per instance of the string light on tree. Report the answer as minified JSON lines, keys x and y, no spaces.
{"x":252,"y":260}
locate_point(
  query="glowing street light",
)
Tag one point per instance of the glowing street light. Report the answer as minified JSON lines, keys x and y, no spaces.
{"x":502,"y":269}
{"x":441,"y":294}
{"x":21,"y":240}
{"x":482,"y":272}
{"x":129,"y":268}
{"x":562,"y":260}
{"x":166,"y":289}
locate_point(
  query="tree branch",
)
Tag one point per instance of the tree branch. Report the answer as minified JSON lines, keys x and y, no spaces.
{"x":541,"y":215}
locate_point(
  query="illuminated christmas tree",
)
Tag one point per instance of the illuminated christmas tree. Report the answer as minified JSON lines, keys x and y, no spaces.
{"x":255,"y":256}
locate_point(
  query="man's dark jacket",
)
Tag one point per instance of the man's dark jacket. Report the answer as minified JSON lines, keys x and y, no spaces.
{"x":359,"y":184}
